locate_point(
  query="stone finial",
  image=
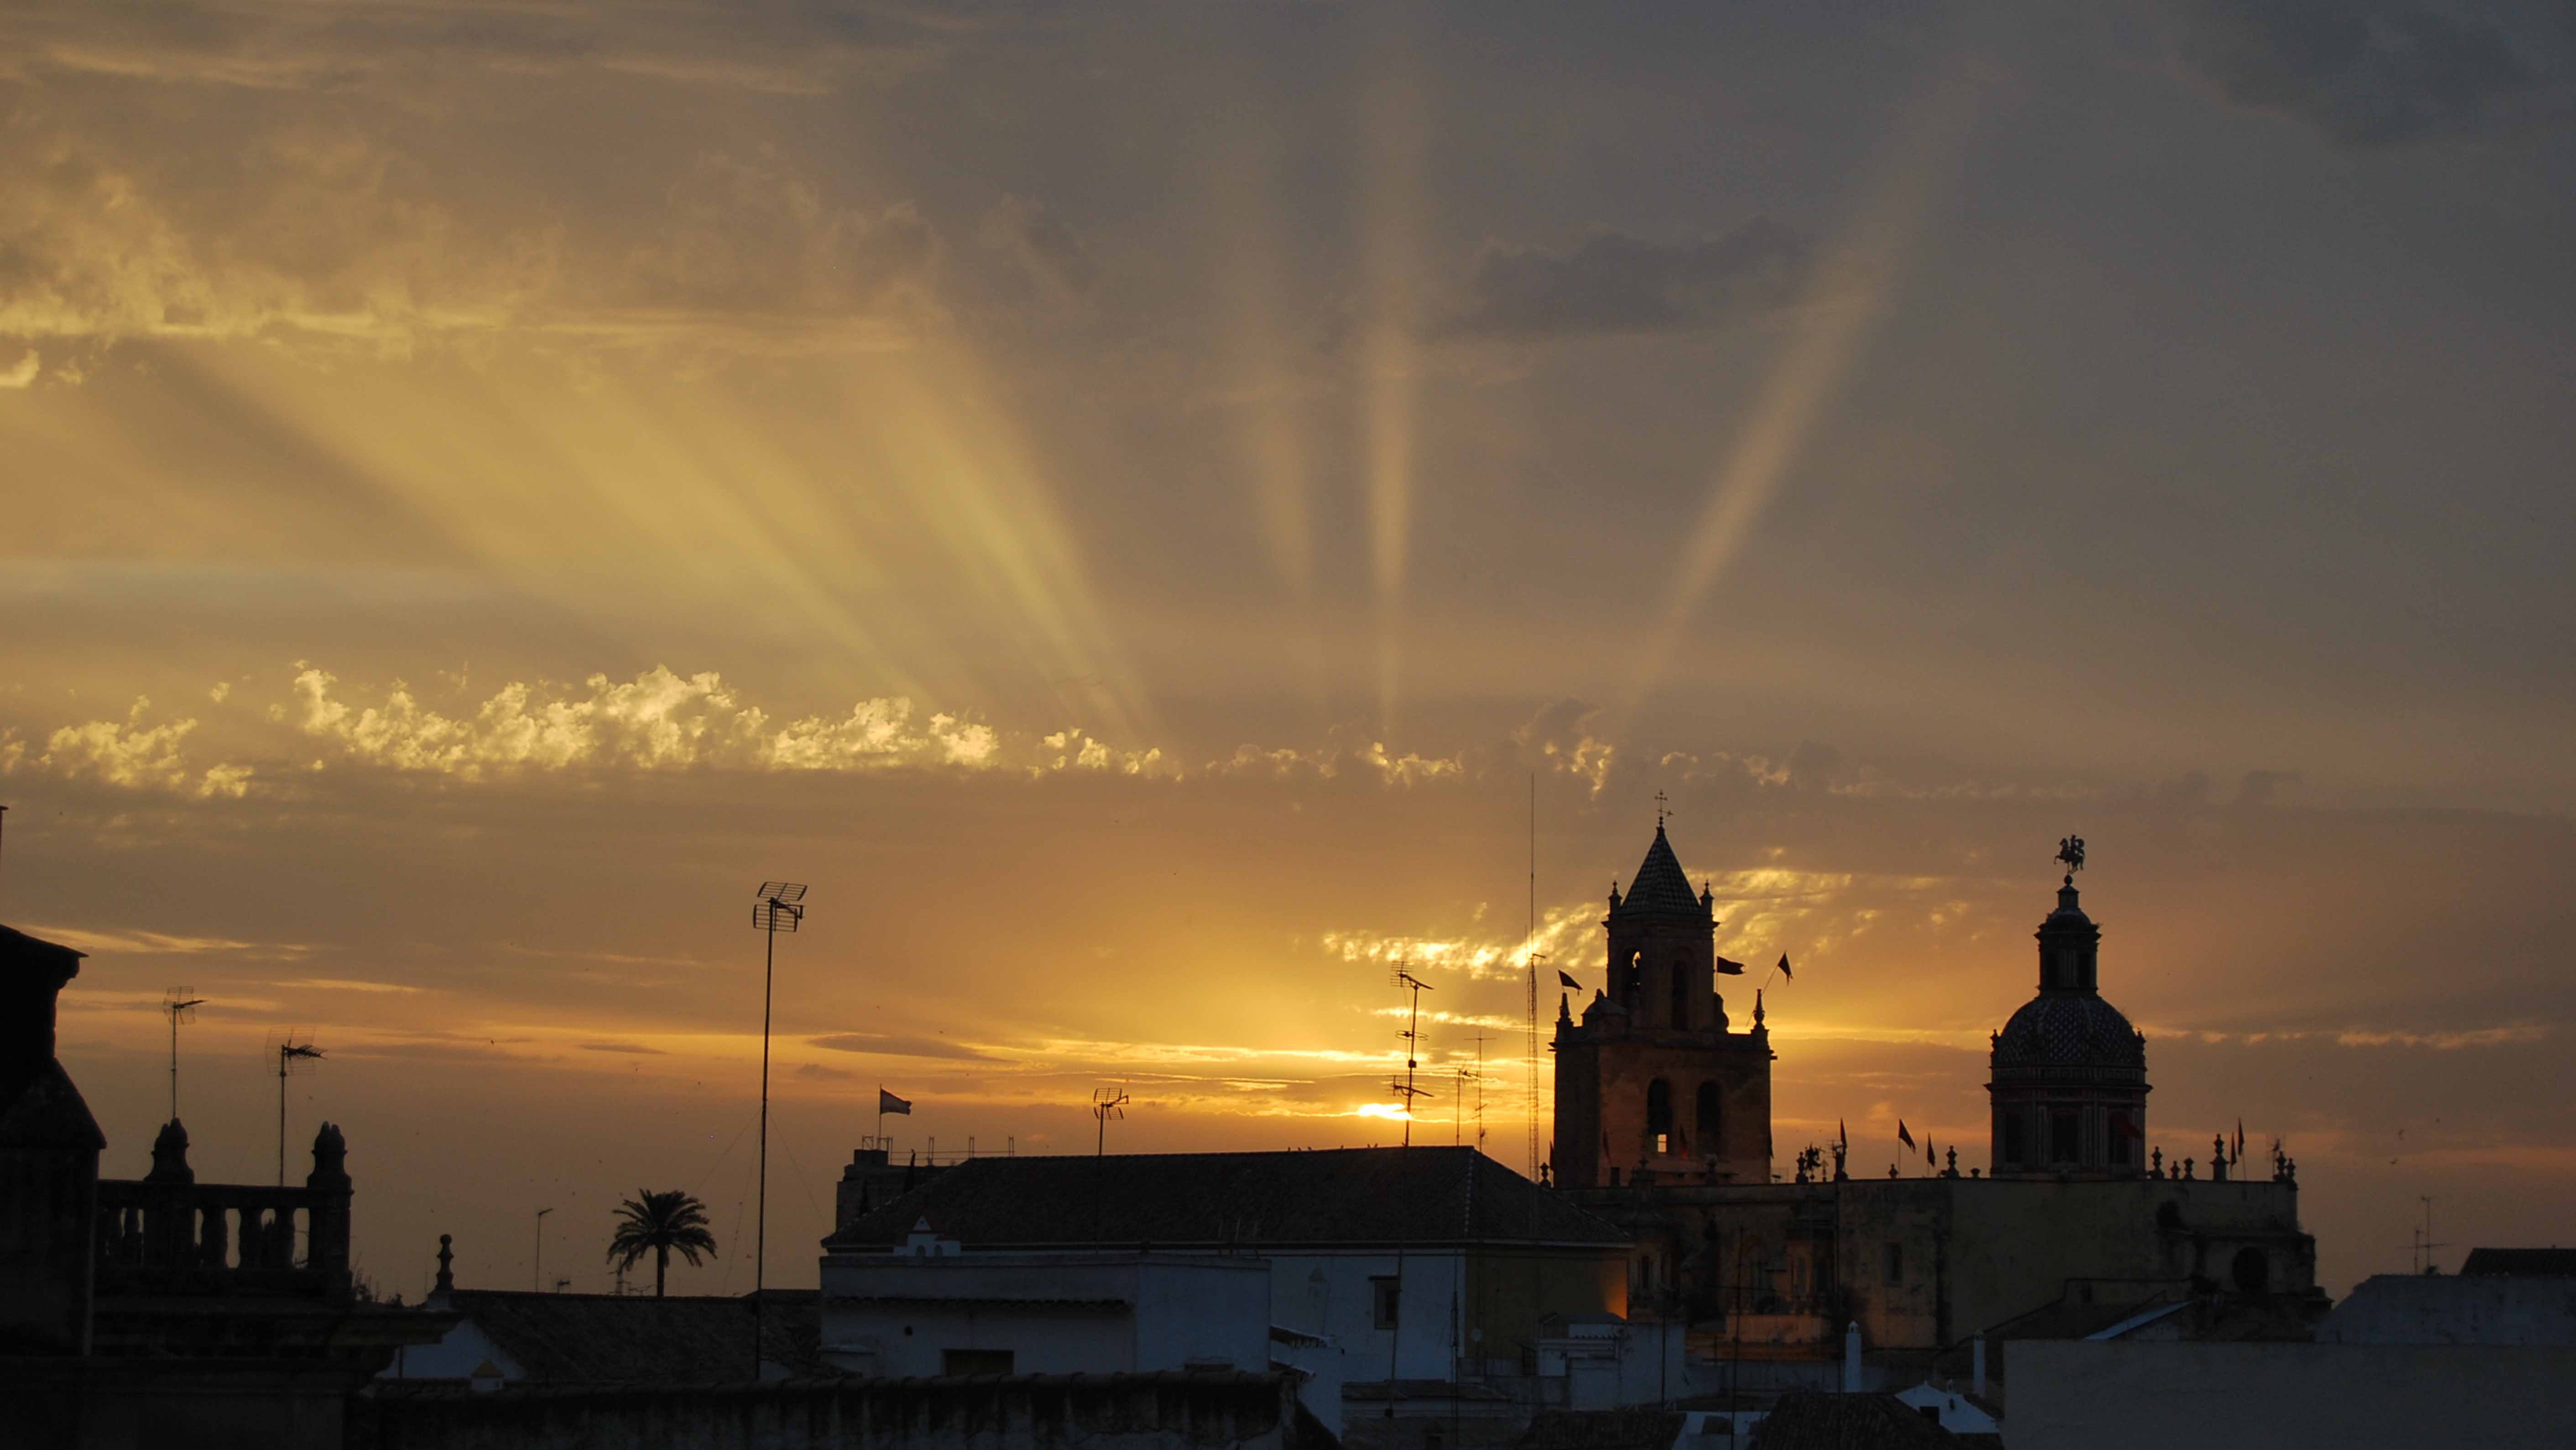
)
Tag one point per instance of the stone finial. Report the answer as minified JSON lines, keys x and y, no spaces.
{"x":2186,"y":1167}
{"x":446,"y":1263}
{"x":2156,"y":1164}
{"x":330,"y":1159}
{"x":1757,"y":1007}
{"x":1954,"y":1164}
{"x":170,"y":1156}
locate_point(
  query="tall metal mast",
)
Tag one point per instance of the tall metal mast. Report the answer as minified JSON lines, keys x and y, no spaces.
{"x":777,"y":909}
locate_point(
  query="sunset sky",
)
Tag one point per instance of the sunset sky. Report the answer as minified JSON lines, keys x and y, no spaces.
{"x":1125,"y":501}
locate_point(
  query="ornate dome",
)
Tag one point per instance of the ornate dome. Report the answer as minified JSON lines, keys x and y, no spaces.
{"x":2069,"y":1029}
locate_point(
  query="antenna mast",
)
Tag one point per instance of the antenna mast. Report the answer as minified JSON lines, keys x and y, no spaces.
{"x":1530,"y":1107}
{"x":293,"y":1057}
{"x":1403,"y":1087}
{"x":1107,"y":1103}
{"x":178,"y":1004}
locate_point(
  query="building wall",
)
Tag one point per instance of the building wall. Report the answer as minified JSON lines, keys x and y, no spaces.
{"x":1976,"y":1252}
{"x":1331,"y":1294}
{"x":898,"y":1314}
{"x":2111,"y":1395}
{"x":1972,"y":1252}
{"x":1510,"y":1289}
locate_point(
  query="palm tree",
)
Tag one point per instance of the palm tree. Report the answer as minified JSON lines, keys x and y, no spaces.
{"x":656,"y":1224}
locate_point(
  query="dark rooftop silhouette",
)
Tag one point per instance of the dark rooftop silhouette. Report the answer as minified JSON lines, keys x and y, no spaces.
{"x":1180,"y":1200}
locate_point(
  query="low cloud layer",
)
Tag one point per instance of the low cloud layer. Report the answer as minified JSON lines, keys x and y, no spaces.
{"x":1614,"y":283}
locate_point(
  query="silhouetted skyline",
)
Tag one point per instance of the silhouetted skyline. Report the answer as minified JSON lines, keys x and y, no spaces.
{"x":1124,"y":504}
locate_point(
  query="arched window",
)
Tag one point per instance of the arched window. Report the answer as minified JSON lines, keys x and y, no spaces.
{"x":1659,"y":1114}
{"x":1630,"y":982}
{"x":1681,"y":994}
{"x":2251,"y":1271}
{"x":2013,"y":1150}
{"x":1710,"y":1143}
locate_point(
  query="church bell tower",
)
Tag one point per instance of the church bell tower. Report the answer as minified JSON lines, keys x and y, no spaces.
{"x":1651,"y":1085}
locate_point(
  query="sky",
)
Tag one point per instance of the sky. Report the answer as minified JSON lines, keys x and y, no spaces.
{"x":1164,"y":514}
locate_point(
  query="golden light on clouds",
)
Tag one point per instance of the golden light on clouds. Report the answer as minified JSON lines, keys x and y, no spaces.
{"x":1131,"y":505}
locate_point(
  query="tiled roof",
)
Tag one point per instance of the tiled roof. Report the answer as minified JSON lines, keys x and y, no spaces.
{"x":1660,"y":886}
{"x":611,"y":1339}
{"x":1203,"y":1200}
{"x":2522,"y":1263}
{"x":1814,"y":1420}
{"x":2069,"y":1029}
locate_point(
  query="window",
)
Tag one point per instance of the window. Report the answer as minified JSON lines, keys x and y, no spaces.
{"x":1663,"y":1142}
{"x":2013,"y":1147}
{"x":1659,"y":1112}
{"x":974,"y":1361}
{"x":1383,"y":1296}
{"x":1896,"y":1263}
{"x":2064,"y":1141}
{"x":2121,"y":1133}
{"x":1681,"y":995}
{"x":2251,"y":1271}
{"x":1709,"y":1120}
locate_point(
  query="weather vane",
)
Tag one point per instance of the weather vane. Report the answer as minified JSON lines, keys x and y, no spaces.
{"x":2071,"y":851}
{"x":1662,"y":810}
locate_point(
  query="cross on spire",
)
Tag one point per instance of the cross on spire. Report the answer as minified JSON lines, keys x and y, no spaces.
{"x":1662,"y":810}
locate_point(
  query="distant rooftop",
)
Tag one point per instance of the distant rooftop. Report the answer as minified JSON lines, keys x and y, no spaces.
{"x":2549,"y":1263}
{"x":634,"y":1339}
{"x":1214,"y":1200}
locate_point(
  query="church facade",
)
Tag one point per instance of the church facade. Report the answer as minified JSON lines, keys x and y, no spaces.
{"x":1663,"y":1126}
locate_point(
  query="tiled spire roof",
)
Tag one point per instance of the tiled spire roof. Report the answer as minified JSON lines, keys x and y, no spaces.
{"x":1660,"y":886}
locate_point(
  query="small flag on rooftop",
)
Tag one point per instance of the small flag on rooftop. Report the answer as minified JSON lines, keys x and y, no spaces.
{"x":1568,"y":979}
{"x":1784,"y":967}
{"x":1902,"y":1135}
{"x":889,"y":1103}
{"x":1726,"y":968}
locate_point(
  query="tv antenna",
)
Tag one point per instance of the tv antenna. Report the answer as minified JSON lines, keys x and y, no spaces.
{"x":179,"y":1004}
{"x":1412,"y":1034}
{"x":1107,"y":1103}
{"x":779,"y":907}
{"x":294,"y":1059}
{"x":1458,"y":1105}
{"x":2424,"y":1244}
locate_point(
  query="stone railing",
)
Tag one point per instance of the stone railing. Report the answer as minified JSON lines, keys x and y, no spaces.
{"x":167,"y":1234}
